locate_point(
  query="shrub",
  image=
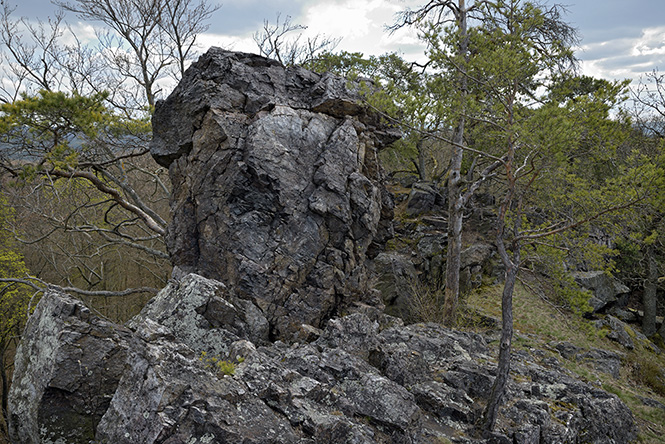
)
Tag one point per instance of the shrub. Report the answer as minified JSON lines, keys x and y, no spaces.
{"x":220,"y":366}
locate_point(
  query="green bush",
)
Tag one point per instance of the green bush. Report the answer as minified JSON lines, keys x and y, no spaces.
{"x":220,"y":366}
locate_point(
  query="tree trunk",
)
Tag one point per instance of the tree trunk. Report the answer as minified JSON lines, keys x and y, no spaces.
{"x":512,"y":265}
{"x":454,"y":252}
{"x":420,"y":148}
{"x":455,"y":200}
{"x":661,"y":330}
{"x":503,"y":368}
{"x":5,"y":383}
{"x":653,"y":279}
{"x":650,"y":299}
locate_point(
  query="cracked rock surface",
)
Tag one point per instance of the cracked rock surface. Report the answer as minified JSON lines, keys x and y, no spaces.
{"x":366,"y":378}
{"x":277,"y":191}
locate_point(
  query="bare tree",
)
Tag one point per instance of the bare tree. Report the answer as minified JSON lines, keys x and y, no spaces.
{"x":183,"y":21}
{"x":649,"y":103}
{"x":31,"y":53}
{"x":89,"y":199}
{"x":277,"y":42}
{"x":146,"y":40}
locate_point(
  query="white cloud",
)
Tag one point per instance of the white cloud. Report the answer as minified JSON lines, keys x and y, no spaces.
{"x":652,"y":42}
{"x":231,"y":42}
{"x":625,"y":57}
{"x":85,"y":33}
{"x":348,"y":19}
{"x":362,"y":26}
{"x":602,"y":69}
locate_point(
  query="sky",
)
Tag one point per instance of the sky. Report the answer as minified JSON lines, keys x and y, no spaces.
{"x":619,"y":39}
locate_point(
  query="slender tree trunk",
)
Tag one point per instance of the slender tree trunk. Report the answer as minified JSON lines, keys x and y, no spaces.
{"x":653,"y":279}
{"x":455,"y":199}
{"x":421,"y":160}
{"x":5,"y":383}
{"x":512,"y":265}
{"x":503,"y":368}
{"x":661,"y":330}
{"x":650,"y":299}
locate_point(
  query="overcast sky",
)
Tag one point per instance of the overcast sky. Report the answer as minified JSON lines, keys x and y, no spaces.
{"x":620,"y":39}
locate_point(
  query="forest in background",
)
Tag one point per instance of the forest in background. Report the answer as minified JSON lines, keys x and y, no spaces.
{"x":499,"y":107}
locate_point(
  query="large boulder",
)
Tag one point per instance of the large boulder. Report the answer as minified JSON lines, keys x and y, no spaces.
{"x":67,"y":369}
{"x":277,"y":192}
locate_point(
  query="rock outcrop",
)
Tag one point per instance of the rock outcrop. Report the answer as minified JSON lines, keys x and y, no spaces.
{"x":269,"y":331}
{"x":606,"y":291}
{"x":364,"y":378}
{"x":277,"y":191}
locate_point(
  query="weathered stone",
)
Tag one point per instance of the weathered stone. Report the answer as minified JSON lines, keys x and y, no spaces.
{"x":567,"y":350}
{"x":652,"y":403}
{"x":277,"y":192}
{"x":606,"y":290}
{"x":628,"y":316}
{"x":432,"y":244}
{"x":445,"y":401}
{"x":167,"y":396}
{"x":395,"y":279}
{"x":617,"y":331}
{"x":67,"y":368}
{"x":356,"y":383}
{"x":204,"y":315}
{"x":476,"y":254}
{"x":603,"y":361}
{"x":424,"y":198}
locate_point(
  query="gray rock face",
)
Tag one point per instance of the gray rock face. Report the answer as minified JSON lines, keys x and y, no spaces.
{"x":396,"y":278}
{"x":602,"y":360}
{"x":365,"y":379}
{"x":622,"y":333}
{"x":424,"y":198}
{"x":606,"y":290}
{"x":277,"y":192}
{"x":67,"y":369}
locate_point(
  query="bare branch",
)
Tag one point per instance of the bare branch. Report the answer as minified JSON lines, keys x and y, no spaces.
{"x":115,"y":194}
{"x":41,"y":286}
{"x":273,"y":43}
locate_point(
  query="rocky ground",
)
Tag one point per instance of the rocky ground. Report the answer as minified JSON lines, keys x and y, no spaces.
{"x":364,"y":378}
